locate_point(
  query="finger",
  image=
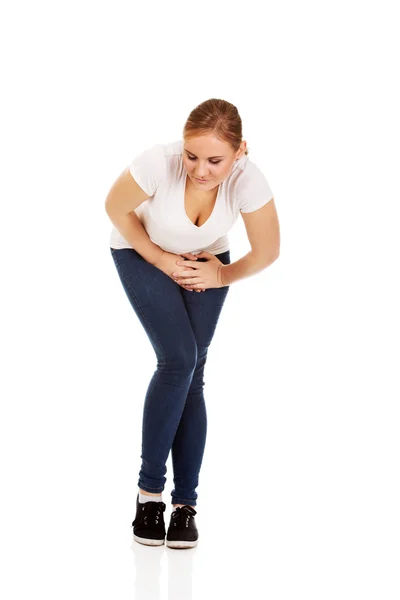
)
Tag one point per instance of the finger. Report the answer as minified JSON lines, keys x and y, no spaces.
{"x":189,"y":255}
{"x":181,"y":276}
{"x":190,"y":288}
{"x":186,"y":263}
{"x":184,"y":274}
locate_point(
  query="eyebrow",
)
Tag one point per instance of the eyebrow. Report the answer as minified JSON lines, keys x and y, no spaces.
{"x":208,"y":157}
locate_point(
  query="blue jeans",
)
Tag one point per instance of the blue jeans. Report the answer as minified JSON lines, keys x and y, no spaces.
{"x":180,"y":326}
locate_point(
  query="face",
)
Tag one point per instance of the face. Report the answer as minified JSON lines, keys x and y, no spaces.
{"x":209,"y":158}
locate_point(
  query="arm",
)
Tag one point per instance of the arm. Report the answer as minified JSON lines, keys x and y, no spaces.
{"x":124,"y":196}
{"x":262,"y":227}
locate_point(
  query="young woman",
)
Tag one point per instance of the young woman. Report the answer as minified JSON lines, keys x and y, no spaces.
{"x":172,"y":209}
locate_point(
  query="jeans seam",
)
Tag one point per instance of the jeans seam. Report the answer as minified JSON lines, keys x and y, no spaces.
{"x":143,"y":314}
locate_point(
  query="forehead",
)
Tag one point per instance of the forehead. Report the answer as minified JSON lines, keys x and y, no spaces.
{"x":207,"y":146}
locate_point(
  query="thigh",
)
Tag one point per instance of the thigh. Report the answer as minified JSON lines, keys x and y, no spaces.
{"x":158,"y":303}
{"x":204,"y":308}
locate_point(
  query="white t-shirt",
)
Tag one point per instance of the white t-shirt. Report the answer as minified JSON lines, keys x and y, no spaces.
{"x":160,"y":172}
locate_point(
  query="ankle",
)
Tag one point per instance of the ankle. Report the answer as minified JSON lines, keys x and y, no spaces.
{"x":148,"y":497}
{"x":149,"y":493}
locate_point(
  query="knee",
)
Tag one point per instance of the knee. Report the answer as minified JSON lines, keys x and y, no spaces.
{"x":181,"y":360}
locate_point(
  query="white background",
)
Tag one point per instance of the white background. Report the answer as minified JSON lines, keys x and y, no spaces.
{"x":299,"y":489}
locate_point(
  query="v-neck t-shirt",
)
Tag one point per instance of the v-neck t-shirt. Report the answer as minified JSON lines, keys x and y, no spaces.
{"x":160,"y":172}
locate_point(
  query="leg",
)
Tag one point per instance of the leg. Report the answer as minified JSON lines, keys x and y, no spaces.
{"x":159,"y":305}
{"x":189,"y":442}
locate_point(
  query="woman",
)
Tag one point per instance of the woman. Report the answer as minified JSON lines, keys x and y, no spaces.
{"x":172,"y":209}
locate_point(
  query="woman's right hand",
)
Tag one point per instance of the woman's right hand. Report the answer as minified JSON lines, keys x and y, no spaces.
{"x":167,"y":264}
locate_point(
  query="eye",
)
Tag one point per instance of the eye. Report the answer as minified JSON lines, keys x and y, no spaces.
{"x":213,"y":162}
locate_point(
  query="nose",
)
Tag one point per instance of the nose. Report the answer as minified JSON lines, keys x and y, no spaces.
{"x":202,"y":173}
{"x":201,"y":168}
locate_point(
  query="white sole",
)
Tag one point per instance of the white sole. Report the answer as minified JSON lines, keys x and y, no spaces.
{"x":181,"y":544}
{"x":147,"y":541}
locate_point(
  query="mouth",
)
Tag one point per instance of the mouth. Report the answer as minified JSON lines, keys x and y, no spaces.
{"x":201,"y":180}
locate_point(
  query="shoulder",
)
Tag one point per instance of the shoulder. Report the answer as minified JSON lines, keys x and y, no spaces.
{"x":160,"y":157}
{"x":155,"y":165}
{"x":174,"y":148}
{"x":169,"y":154}
{"x":248,"y":171}
{"x":162,"y":150}
{"x":252,"y":187}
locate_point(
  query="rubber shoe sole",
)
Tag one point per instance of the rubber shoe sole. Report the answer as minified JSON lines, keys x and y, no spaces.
{"x":147,"y":541}
{"x":177,"y":544}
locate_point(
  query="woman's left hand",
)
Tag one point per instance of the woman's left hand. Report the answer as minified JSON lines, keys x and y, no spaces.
{"x":200,"y":274}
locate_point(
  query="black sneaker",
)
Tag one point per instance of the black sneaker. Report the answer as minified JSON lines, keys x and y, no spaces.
{"x":148,"y":525}
{"x":182,"y":530}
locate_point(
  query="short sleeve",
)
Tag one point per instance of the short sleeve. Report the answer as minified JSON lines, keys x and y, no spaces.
{"x":253,"y":189}
{"x":149,"y":168}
